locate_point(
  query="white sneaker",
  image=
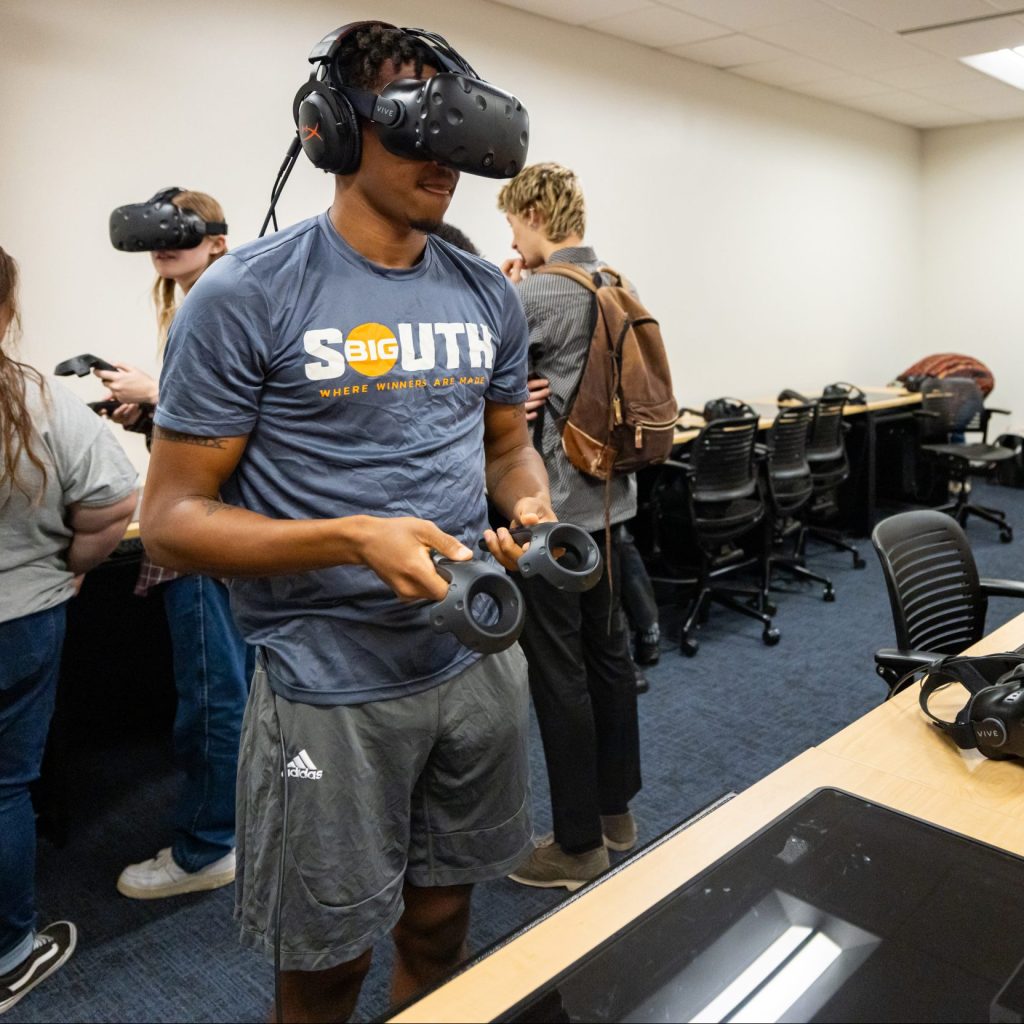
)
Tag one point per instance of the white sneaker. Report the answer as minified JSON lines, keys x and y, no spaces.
{"x":154,"y":879}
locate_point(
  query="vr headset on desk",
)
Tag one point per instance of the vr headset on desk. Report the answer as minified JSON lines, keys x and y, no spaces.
{"x":159,"y":224}
{"x":992,"y":721}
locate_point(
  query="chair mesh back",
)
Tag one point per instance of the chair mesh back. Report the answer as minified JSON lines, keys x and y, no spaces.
{"x":936,"y":597}
{"x":939,"y":402}
{"x":826,"y":448}
{"x":789,"y":473}
{"x":826,"y":437}
{"x":723,"y":460}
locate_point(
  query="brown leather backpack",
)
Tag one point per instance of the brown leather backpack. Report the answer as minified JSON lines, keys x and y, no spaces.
{"x":622,"y":415}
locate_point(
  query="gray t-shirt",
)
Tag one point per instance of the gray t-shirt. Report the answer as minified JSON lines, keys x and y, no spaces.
{"x":84,"y":466}
{"x":362,"y":391}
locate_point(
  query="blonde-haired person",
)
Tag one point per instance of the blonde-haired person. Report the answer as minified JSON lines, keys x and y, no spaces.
{"x":582,"y":680}
{"x":67,"y":492}
{"x":212,"y":664}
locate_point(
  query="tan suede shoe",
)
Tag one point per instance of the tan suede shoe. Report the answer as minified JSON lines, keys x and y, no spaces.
{"x":549,"y":866}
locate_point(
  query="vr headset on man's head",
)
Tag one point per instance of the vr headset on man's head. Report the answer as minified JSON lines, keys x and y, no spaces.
{"x":454,"y":117}
{"x":159,"y":224}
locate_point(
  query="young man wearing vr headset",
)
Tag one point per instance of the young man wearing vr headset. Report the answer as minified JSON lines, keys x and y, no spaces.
{"x":365,"y":380}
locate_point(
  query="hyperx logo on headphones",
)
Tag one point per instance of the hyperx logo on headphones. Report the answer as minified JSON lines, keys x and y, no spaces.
{"x":313,"y":132}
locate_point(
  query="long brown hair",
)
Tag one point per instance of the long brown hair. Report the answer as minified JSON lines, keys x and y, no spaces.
{"x":15,"y":419}
{"x":165,"y":291}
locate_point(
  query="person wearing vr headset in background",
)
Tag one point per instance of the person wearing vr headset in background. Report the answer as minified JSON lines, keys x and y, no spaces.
{"x":212,"y":664}
{"x":581,"y":677}
{"x":67,"y":492}
{"x":333,"y":399}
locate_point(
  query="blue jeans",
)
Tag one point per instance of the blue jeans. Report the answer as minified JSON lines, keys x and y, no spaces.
{"x":212,"y":670}
{"x":29,"y":667}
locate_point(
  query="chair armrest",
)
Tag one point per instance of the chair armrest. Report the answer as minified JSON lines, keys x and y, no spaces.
{"x":1002,"y":412}
{"x":930,"y":413}
{"x":679,"y":464}
{"x":1003,"y":588}
{"x":892,"y":664}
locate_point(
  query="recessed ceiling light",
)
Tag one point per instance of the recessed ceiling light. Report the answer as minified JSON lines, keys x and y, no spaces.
{"x":1006,"y":65}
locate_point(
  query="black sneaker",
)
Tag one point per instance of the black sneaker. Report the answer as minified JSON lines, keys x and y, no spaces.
{"x":52,"y":947}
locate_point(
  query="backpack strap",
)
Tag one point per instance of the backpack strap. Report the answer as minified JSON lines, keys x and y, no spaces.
{"x":570,"y":270}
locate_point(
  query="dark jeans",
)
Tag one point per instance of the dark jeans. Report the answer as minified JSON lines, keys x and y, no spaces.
{"x":29,"y":667}
{"x":212,"y":670}
{"x":584,"y":693}
{"x":638,"y":600}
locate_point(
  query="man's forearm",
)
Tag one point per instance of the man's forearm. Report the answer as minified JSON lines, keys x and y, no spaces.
{"x":516,"y":474}
{"x":201,"y":534}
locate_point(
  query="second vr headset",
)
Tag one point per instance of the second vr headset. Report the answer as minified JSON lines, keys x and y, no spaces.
{"x":454,"y":117}
{"x":159,"y":224}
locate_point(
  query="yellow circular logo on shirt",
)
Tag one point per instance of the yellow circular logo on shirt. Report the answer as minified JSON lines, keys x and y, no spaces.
{"x":371,"y":349}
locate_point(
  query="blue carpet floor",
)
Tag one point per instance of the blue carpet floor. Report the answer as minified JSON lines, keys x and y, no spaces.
{"x":714,"y":723}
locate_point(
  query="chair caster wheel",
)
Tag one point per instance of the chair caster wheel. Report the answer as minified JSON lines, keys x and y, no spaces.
{"x":688,"y":647}
{"x":1006,"y":535}
{"x":858,"y":562}
{"x":770,"y":637}
{"x":829,"y":595}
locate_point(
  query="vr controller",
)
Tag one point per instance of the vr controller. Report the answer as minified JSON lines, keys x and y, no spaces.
{"x":82,"y":365}
{"x":159,"y":224}
{"x":576,"y":568}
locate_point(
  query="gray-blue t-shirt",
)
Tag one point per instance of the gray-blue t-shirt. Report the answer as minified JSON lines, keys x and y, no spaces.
{"x":362,"y":391}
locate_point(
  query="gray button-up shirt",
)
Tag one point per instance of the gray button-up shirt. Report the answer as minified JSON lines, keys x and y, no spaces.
{"x":559,"y":314}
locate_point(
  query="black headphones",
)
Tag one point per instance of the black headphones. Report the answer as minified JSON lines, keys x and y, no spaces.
{"x":841,"y":389}
{"x":993,"y":719}
{"x":454,"y":117}
{"x":727,"y":409}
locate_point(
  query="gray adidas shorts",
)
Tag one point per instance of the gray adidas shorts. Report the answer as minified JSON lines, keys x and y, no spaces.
{"x":432,"y":789}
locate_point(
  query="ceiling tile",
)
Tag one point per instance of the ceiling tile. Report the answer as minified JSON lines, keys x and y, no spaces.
{"x":938,"y":72}
{"x":889,"y":103}
{"x":728,"y":51}
{"x":841,"y":89}
{"x":984,"y":89}
{"x":844,"y":41}
{"x":747,"y":14}
{"x":995,"y":110}
{"x":894,"y":15}
{"x":964,"y":40}
{"x":791,"y":71}
{"x":657,"y":26}
{"x":938,"y":117}
{"x":576,"y":12}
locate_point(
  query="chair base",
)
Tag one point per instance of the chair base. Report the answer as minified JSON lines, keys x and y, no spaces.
{"x":794,"y":566}
{"x":961,"y":509}
{"x":836,"y":540}
{"x":728,"y":598}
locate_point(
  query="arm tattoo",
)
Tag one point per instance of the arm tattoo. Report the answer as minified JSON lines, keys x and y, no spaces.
{"x":163,"y":434}
{"x":212,"y":507}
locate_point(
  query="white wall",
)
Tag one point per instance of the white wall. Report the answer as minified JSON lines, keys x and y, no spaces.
{"x":776,"y":237}
{"x":973,"y":266}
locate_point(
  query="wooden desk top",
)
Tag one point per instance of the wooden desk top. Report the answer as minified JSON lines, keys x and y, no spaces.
{"x":892,"y":756}
{"x":878,"y":398}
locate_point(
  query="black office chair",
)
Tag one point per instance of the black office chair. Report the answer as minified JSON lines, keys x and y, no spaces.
{"x":715,"y":495}
{"x":826,"y":455}
{"x":938,"y":601}
{"x":790,"y":488}
{"x":941,"y":414}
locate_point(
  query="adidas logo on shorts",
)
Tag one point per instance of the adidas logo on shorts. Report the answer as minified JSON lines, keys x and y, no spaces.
{"x":301,"y":767}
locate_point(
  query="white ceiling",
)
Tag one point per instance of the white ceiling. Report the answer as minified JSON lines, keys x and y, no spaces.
{"x":865,"y":54}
